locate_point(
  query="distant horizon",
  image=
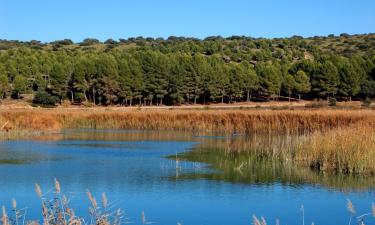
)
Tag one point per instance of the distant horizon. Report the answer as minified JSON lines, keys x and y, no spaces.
{"x":48,"y":21}
{"x":187,"y":37}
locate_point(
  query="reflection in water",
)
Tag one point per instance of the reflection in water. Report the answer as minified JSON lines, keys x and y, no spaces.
{"x":237,"y":159}
{"x":178,"y":176}
{"x":255,"y":160}
{"x":247,"y":168}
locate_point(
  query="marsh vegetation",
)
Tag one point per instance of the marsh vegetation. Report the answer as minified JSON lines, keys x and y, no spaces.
{"x":340,"y":141}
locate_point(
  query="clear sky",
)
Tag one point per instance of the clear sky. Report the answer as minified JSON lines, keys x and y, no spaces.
{"x":49,"y":20}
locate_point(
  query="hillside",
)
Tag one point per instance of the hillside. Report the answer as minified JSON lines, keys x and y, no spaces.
{"x":182,"y":70}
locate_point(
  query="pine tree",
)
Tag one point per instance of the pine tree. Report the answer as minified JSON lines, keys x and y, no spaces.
{"x":302,"y":83}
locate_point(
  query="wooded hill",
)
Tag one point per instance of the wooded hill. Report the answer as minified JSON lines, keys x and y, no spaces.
{"x":182,"y":70}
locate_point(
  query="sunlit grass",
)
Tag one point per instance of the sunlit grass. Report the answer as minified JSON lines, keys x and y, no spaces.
{"x":350,"y":150}
{"x":230,"y":121}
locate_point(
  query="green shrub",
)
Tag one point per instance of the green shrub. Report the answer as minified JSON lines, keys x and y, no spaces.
{"x":44,"y":98}
{"x":79,"y":97}
{"x":367,"y":102}
{"x":332,"y":102}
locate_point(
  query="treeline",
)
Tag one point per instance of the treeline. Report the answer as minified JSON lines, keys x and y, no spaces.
{"x":187,"y":70}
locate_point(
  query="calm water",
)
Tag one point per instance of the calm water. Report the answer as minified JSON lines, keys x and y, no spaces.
{"x":134,"y":169}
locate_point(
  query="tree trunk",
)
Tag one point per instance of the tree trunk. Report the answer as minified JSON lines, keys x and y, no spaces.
{"x":222,"y":99}
{"x":195,"y":100}
{"x":289,"y":96}
{"x":93,"y":96}
{"x":72,"y":96}
{"x":248,"y":96}
{"x":161,"y":101}
{"x":84,"y":93}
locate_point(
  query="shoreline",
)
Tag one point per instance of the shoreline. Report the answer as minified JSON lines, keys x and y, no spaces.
{"x":334,"y":138}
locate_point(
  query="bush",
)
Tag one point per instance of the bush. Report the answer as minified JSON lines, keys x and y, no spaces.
{"x":44,"y":98}
{"x":79,"y":97}
{"x":367,"y":102}
{"x":88,"y":104}
{"x":315,"y":104}
{"x":332,"y":102}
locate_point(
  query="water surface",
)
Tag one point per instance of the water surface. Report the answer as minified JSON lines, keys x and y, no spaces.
{"x":205,"y":186}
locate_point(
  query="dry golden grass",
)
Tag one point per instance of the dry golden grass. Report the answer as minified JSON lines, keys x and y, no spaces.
{"x":350,"y":150}
{"x":56,"y":210}
{"x":241,"y":121}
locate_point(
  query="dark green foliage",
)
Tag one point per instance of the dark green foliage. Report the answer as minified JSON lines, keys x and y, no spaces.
{"x":43,"y":98}
{"x":4,"y":84}
{"x":89,"y":41}
{"x":19,"y":86}
{"x":367,"y":102}
{"x":182,"y":70}
{"x":332,"y":101}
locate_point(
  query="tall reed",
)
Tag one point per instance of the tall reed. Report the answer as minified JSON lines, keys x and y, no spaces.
{"x":336,"y":140}
{"x":350,"y":150}
{"x":238,"y":121}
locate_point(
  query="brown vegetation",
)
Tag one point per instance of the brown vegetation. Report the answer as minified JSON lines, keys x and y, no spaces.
{"x":333,"y":140}
{"x":56,"y":210}
{"x":349,"y":150}
{"x":240,"y":121}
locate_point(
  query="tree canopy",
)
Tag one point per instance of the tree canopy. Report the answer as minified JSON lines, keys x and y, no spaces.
{"x":181,"y":70}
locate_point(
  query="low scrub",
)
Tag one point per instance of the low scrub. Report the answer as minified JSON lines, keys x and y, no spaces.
{"x":45,"y":99}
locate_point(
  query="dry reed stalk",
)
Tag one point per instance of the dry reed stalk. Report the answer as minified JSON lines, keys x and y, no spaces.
{"x":38,"y":190}
{"x":285,"y":121}
{"x":350,"y":150}
{"x":104,"y":200}
{"x":257,"y":221}
{"x":350,"y":207}
{"x":57,"y":187}
{"x":4,"y":218}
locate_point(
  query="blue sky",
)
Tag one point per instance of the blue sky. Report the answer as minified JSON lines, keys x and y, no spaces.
{"x":49,"y":20}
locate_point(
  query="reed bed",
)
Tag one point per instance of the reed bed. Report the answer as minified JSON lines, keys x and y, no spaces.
{"x":335,"y":140}
{"x":350,"y":150}
{"x":56,"y":210}
{"x":230,"y":121}
{"x":345,"y":150}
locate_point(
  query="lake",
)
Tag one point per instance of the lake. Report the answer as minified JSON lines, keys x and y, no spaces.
{"x":175,"y":177}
